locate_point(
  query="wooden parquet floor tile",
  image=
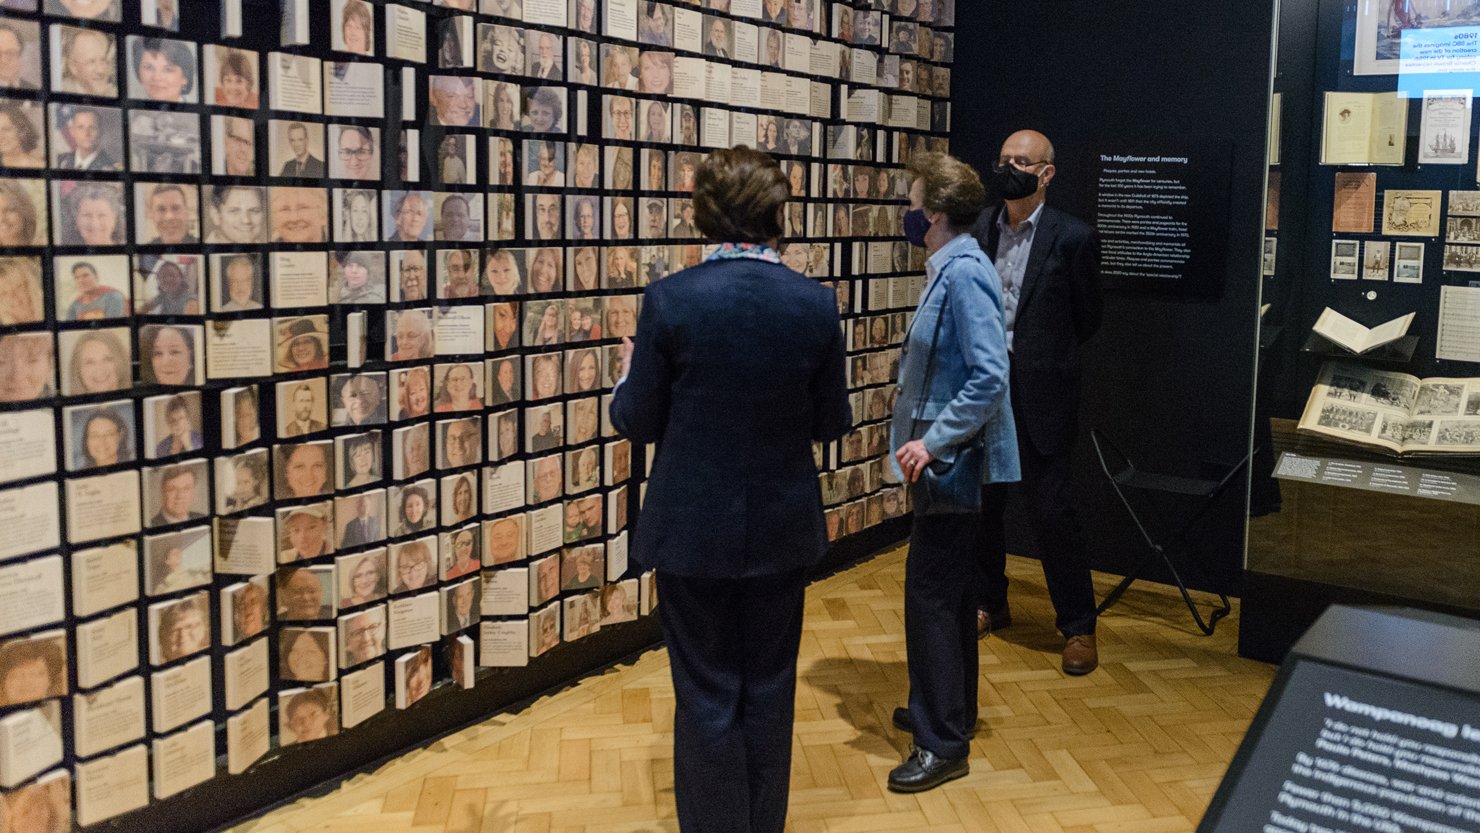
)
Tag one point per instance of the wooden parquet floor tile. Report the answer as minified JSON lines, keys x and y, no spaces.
{"x":1136,"y":747}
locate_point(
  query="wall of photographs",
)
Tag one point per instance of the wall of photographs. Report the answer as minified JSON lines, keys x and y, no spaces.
{"x":308,"y":330}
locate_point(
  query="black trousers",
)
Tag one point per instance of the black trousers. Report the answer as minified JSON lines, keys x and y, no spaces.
{"x":1047,"y":494}
{"x":940,"y":631}
{"x":733,"y":649}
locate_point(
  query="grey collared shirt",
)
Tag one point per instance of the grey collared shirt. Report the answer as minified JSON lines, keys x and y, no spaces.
{"x":1013,"y":248}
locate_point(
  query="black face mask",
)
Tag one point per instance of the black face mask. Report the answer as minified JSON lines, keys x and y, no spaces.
{"x":1015,"y":184}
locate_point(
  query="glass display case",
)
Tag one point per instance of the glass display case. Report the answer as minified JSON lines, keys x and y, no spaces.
{"x":1366,"y":477}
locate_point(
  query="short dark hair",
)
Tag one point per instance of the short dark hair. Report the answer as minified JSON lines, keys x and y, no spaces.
{"x":737,"y":194}
{"x":176,"y":52}
{"x":173,"y":472}
{"x":951,"y":186}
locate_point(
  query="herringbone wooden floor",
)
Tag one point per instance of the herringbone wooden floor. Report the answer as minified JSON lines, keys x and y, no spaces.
{"x":1136,"y":747}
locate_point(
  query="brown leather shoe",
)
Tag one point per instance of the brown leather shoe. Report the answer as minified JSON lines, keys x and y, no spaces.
{"x":1080,"y":655}
{"x":987,"y":621}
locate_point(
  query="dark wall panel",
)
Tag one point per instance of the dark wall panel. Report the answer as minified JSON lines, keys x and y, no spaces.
{"x":1169,"y":377}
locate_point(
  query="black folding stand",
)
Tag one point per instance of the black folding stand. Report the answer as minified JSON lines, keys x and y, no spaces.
{"x":1124,"y":476}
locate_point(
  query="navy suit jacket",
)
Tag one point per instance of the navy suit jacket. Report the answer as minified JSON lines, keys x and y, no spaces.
{"x":1059,"y":308}
{"x":738,"y":367}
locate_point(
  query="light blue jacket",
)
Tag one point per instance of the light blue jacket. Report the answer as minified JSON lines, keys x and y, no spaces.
{"x":969,"y":388}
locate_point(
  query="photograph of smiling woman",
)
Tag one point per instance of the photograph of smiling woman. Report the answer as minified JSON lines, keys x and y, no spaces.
{"x":162,"y":70}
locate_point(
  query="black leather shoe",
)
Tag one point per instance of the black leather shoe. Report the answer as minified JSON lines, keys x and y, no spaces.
{"x":904,"y":723}
{"x":924,"y":770}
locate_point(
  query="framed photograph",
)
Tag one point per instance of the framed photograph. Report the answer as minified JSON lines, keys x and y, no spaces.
{"x":23,"y":39}
{"x":544,"y":56}
{"x":362,"y":634}
{"x":358,"y":460}
{"x":302,"y":343}
{"x":500,"y":49}
{"x":410,"y":451}
{"x":460,"y":552}
{"x":234,"y":145}
{"x":360,"y":519}
{"x":162,"y":69}
{"x":244,"y":610}
{"x":237,"y":284}
{"x":407,"y":217}
{"x":581,"y":418}
{"x":505,"y":540}
{"x":454,"y":101}
{"x":503,"y":433}
{"x":178,"y":628}
{"x":25,"y":123}
{"x":86,"y":138}
{"x":306,"y":592}
{"x":302,"y":407}
{"x":308,"y":714}
{"x":177,"y":561}
{"x":307,"y":654}
{"x":241,"y":481}
{"x":352,"y":27}
{"x":303,"y":469}
{"x":305,"y":532}
{"x":356,"y":152}
{"x":33,"y":668}
{"x":164,"y":142}
{"x":543,"y":373}
{"x":176,"y":493}
{"x":545,"y":479}
{"x":459,"y":217}
{"x":413,"y":676}
{"x":545,"y":110}
{"x":99,"y":435}
{"x":413,"y":565}
{"x":173,"y":425}
{"x":460,"y":442}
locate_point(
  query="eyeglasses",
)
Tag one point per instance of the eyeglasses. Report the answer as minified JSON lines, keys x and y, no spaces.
{"x":1017,"y":162}
{"x":355,"y":153}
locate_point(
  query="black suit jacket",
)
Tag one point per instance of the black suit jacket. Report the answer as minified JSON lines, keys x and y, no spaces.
{"x":359,"y":532}
{"x":103,"y":161}
{"x":738,"y":368}
{"x":312,"y":167}
{"x":1059,"y":308}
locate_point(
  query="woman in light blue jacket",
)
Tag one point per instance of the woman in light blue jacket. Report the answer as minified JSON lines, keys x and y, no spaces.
{"x":952,"y":394}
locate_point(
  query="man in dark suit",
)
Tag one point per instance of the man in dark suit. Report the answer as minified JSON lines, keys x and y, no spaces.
{"x":737,"y":369}
{"x":303,"y":422}
{"x":83,"y":130}
{"x":303,"y":163}
{"x":363,"y":528}
{"x":1049,"y":263}
{"x":176,"y":497}
{"x":546,"y":64}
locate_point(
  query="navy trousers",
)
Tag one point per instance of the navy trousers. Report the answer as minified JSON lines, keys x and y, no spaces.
{"x":733,"y":650}
{"x":1047,"y":495}
{"x":940,"y":631}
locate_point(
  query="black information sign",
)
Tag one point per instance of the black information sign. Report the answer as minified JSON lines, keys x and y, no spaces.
{"x":1162,"y":217}
{"x":1337,"y":749}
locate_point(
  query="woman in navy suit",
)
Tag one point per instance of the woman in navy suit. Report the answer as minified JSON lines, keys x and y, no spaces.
{"x":736,"y":370}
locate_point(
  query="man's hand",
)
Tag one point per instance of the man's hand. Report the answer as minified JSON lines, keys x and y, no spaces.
{"x":913,"y":458}
{"x":626,"y":357}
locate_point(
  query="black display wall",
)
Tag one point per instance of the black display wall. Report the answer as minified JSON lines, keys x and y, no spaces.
{"x":1168,"y":376}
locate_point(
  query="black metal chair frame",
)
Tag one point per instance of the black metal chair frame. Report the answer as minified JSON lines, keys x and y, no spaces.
{"x":1127,"y":476}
